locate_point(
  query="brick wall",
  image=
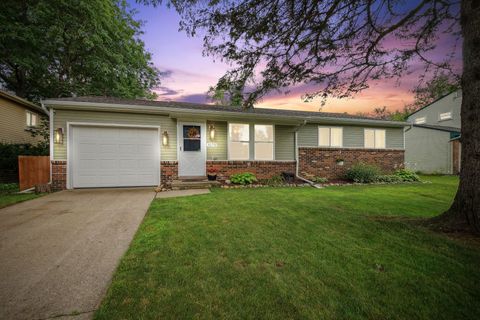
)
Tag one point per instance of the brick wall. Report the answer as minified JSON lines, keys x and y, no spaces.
{"x":318,"y":162}
{"x":262,"y":169}
{"x":168,"y":171}
{"x":59,"y":175}
{"x":322,"y":162}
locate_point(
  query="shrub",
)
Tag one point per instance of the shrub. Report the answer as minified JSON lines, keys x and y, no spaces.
{"x":6,"y":188}
{"x":390,"y":178}
{"x":407,"y":175}
{"x":243,"y":178}
{"x":320,"y":180}
{"x":274,"y":181}
{"x":363,"y":173}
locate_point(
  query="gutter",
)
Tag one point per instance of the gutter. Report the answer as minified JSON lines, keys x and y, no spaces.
{"x":44,"y":108}
{"x":186,"y":111}
{"x":51,"y":114}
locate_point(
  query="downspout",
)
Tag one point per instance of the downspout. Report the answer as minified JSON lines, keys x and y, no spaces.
{"x":311,"y":183}
{"x":50,"y":121}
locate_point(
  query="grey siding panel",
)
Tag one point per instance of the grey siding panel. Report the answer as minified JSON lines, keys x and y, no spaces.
{"x":284,"y":143}
{"x":353,"y":136}
{"x":61,"y":118}
{"x":451,"y":103}
{"x":217,"y":148}
{"x":308,"y":136}
{"x":428,"y":150}
{"x":394,"y":137}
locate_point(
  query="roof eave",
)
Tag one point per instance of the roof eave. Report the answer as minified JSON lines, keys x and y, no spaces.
{"x":178,"y":112}
{"x":27,"y":104}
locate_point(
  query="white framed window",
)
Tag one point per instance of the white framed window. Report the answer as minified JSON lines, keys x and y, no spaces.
{"x":330,"y":136}
{"x":445,"y":116}
{"x":238,"y":141}
{"x":32,"y":119}
{"x":374,"y":138}
{"x":263,"y":142}
{"x":420,"y":120}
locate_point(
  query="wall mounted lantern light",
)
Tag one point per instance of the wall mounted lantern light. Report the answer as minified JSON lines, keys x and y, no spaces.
{"x":58,"y":136}
{"x":212,"y":132}
{"x":165,"y":138}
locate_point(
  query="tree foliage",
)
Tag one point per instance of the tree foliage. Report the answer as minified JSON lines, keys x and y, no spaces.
{"x":338,"y":45}
{"x":438,"y":86}
{"x":58,"y":48}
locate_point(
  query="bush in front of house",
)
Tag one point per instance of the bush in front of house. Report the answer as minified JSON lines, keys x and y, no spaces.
{"x":7,"y":188}
{"x":407,"y":175}
{"x":320,"y":180}
{"x":362,"y":173}
{"x":388,"y":178}
{"x":273,"y":181}
{"x":243,"y":178}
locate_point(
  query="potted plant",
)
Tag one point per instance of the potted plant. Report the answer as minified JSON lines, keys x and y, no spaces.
{"x":340,"y":162}
{"x":212,"y":174}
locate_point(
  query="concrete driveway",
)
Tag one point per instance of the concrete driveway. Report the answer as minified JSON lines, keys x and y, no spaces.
{"x":58,"y":252}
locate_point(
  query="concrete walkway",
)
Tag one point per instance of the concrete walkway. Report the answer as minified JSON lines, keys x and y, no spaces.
{"x":58,"y":252}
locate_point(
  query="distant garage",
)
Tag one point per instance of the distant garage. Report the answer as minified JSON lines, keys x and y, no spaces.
{"x":113,"y":156}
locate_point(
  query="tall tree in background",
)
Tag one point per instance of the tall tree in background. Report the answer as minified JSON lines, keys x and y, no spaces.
{"x":60,"y":48}
{"x":440,"y":85}
{"x":340,"y":45}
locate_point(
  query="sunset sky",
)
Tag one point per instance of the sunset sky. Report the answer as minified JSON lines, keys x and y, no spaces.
{"x":189,"y":74}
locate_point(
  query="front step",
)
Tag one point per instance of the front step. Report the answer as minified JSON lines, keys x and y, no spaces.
{"x":192,"y":178}
{"x":193,"y":184}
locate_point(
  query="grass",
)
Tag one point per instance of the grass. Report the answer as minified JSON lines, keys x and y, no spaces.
{"x":8,"y":195}
{"x":297,"y":253}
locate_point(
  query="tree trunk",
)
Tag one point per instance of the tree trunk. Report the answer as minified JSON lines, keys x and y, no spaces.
{"x":465,"y":210}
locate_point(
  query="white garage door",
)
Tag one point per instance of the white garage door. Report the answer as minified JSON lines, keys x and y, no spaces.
{"x":114,"y":157}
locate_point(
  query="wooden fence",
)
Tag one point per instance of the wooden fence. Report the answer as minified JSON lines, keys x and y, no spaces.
{"x":33,"y":170}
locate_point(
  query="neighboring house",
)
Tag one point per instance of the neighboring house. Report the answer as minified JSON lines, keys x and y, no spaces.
{"x":18,"y":117}
{"x":107,"y":142}
{"x":432,"y":143}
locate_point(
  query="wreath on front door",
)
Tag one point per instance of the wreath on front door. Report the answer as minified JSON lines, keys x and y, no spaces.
{"x":193,"y":133}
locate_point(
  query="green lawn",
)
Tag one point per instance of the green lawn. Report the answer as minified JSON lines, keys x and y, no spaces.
{"x":9,"y":197}
{"x":297,"y":253}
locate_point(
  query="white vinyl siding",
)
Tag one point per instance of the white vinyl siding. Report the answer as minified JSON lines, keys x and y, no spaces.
{"x":374,"y":138}
{"x":263,"y":142}
{"x":238,"y":141}
{"x":330,"y":136}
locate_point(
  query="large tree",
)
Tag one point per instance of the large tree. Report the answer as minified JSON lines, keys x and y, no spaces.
{"x":339,"y":46}
{"x":58,"y":48}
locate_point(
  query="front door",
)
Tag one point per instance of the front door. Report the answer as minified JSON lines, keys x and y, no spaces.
{"x":191,"y":149}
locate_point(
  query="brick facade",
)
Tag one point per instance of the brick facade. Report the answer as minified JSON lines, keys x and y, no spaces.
{"x":168,"y":171}
{"x":322,"y":162}
{"x":59,"y":175}
{"x":262,"y":169}
{"x":313,"y":162}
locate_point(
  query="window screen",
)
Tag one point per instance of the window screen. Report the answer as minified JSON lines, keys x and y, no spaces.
{"x":191,"y":138}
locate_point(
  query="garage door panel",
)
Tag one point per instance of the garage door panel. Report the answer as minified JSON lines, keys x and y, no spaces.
{"x":115,"y":157}
{"x":107,"y":148}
